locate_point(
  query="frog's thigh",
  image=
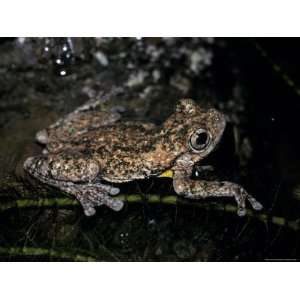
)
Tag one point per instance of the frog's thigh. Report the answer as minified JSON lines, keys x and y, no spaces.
{"x":80,"y":174}
{"x":74,"y":169}
{"x":195,"y":189}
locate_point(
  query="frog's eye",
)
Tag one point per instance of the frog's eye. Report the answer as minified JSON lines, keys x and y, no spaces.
{"x":199,"y":140}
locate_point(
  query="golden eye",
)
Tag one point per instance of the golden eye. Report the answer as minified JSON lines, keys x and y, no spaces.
{"x":199,"y":140}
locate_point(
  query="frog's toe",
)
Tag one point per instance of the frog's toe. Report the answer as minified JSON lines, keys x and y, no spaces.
{"x":241,"y":212}
{"x":241,"y":204}
{"x":42,"y":137}
{"x":254,"y":203}
{"x":108,"y":188}
{"x":117,"y":205}
{"x":89,"y":211}
{"x":88,"y":207}
{"x":114,"y":191}
{"x":45,"y":151}
{"x":257,"y":206}
{"x":114,"y":204}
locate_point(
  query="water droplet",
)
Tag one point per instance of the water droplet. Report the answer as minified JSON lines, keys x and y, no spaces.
{"x":21,"y":40}
{"x":60,"y":52}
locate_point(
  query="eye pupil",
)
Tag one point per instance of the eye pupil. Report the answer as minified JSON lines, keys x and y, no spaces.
{"x":201,"y":138}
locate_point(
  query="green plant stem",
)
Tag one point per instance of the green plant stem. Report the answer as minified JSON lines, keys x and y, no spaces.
{"x":153,"y":198}
{"x":28,"y":251}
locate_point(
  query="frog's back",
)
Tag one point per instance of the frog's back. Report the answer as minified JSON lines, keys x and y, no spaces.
{"x":125,"y":137}
{"x":121,"y":150}
{"x":129,"y":151}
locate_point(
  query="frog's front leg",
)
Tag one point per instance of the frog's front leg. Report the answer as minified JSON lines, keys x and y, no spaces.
{"x":194,"y":189}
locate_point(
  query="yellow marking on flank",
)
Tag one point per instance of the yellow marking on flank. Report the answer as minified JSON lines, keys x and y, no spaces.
{"x":168,"y":173}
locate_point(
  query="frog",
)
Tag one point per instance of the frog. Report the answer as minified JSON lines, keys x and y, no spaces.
{"x":93,"y":149}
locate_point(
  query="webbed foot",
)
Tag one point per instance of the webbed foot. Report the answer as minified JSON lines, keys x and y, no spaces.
{"x":95,"y":194}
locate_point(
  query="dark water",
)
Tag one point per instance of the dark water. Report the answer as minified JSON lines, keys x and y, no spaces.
{"x":254,"y":81}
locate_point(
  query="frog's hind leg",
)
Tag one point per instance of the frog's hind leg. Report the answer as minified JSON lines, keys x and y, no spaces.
{"x":79,"y":176}
{"x":80,"y":182}
{"x":93,"y":114}
{"x":75,"y":124}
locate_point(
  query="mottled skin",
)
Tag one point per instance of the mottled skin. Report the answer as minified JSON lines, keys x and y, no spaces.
{"x":90,"y":146}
